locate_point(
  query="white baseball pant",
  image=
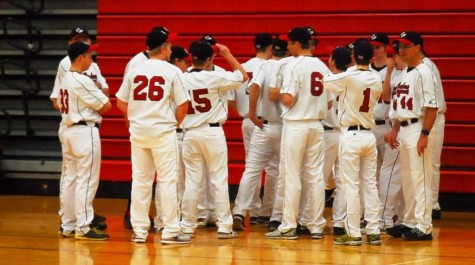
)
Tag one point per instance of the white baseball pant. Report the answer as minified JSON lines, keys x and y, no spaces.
{"x":438,"y":141}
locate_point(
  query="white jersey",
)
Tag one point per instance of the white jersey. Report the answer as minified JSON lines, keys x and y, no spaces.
{"x":136,"y":60}
{"x":152,"y":89}
{"x":381,"y":109}
{"x":303,"y":80}
{"x":208,"y":96}
{"x":267,"y":109}
{"x":415,"y":89}
{"x":332,"y":115}
{"x":79,"y":99}
{"x":359,"y":91}
{"x":277,"y":74}
{"x":215,"y":68}
{"x":93,"y":72}
{"x":241,"y":95}
{"x":352,"y":68}
{"x":439,"y":88}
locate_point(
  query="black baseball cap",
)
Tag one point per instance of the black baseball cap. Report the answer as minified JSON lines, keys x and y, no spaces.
{"x":278,"y":44}
{"x":351,"y":45}
{"x":300,"y":34}
{"x":262,"y":40}
{"x":312,"y":31}
{"x":393,"y":49}
{"x":201,"y":50}
{"x":77,"y":32}
{"x":363,"y":50}
{"x":408,"y":37}
{"x":341,"y":55}
{"x":178,"y":53}
{"x":209,"y":39}
{"x":80,"y":47}
{"x":158,"y":36}
{"x":378,"y":39}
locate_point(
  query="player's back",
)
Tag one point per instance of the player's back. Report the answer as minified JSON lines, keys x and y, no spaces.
{"x":136,"y":60}
{"x":266,"y":108}
{"x":440,"y":90}
{"x":303,"y":79}
{"x":242,"y":94}
{"x":208,"y":96}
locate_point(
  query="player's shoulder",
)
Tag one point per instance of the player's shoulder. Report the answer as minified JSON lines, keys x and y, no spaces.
{"x":423,"y":68}
{"x":65,"y":63}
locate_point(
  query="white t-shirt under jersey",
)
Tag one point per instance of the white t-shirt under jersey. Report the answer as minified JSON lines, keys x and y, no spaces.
{"x":79,"y":99}
{"x":359,"y":91}
{"x":93,"y":72}
{"x":152,"y":89}
{"x":208,"y":92}
{"x":303,"y":80}
{"x":415,"y":90}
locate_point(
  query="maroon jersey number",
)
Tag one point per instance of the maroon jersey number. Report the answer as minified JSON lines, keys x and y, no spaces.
{"x":155,"y":91}
{"x":64,"y":100}
{"x":365,"y":106}
{"x":316,"y":85}
{"x":202,"y":104}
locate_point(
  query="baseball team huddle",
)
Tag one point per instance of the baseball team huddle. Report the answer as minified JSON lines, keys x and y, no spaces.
{"x":368,"y":126}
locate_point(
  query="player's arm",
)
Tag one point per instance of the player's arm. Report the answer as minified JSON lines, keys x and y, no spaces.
{"x":254,"y":95}
{"x":429,"y":119}
{"x":287,"y":99}
{"x":391,"y":136}
{"x":274,"y":93}
{"x":105,"y":108}
{"x":386,"y":95}
{"x":232,"y":61}
{"x":181,"y":113}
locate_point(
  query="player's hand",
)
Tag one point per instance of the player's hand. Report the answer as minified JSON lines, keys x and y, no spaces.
{"x":391,"y":64}
{"x":391,"y":139}
{"x":257,"y":121}
{"x":98,"y":84}
{"x":422,"y":144}
{"x":223,"y":50}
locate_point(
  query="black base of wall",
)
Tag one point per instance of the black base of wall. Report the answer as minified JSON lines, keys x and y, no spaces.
{"x":459,"y":202}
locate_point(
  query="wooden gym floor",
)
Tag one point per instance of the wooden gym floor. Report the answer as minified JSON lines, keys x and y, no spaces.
{"x":29,"y":235}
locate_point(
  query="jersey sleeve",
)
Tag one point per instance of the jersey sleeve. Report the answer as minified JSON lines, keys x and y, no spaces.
{"x":228,"y":80}
{"x":57,"y":81}
{"x":276,"y":76}
{"x":334,"y":83}
{"x":290,"y":84}
{"x":90,"y":94}
{"x":428,"y":84}
{"x":124,"y":91}
{"x":178,"y":90}
{"x":259,"y":76}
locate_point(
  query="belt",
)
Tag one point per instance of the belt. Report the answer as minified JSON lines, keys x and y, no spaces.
{"x":357,"y":128}
{"x":179,"y":130}
{"x":327,"y":128}
{"x":85,"y":123}
{"x":216,"y":124}
{"x":407,"y":122}
{"x":264,"y":121}
{"x":380,"y":122}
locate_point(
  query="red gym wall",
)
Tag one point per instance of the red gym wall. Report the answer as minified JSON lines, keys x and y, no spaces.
{"x":448,"y":28}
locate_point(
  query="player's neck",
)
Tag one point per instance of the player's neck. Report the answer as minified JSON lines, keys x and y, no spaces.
{"x":262,"y":55}
{"x":415,"y":61}
{"x":305,"y":52}
{"x":362,"y":67}
{"x":76,"y":68}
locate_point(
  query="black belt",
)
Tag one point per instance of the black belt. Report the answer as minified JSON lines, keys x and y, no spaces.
{"x":216,"y":124}
{"x":264,"y":121}
{"x":179,"y":130}
{"x":411,"y":121}
{"x":85,"y":123}
{"x":380,"y":122}
{"x":327,"y":128}
{"x":357,"y":127}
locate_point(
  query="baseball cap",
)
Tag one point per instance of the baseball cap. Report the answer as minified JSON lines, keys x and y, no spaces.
{"x":394,"y":48}
{"x":80,"y":47}
{"x":77,"y":32}
{"x":299,"y":34}
{"x":178,"y":53}
{"x":341,"y":55}
{"x":209,"y":39}
{"x":363,"y":50}
{"x":278,"y":44}
{"x":378,"y":39}
{"x":312,"y":31}
{"x":408,"y":37}
{"x":201,"y":50}
{"x":158,"y":36}
{"x":262,"y":40}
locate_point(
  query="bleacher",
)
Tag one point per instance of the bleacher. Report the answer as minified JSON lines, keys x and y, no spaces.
{"x":448,"y":29}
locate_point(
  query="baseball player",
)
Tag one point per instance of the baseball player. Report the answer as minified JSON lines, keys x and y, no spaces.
{"x":179,"y":58}
{"x":302,"y":161}
{"x":76,"y":34}
{"x":81,"y":102}
{"x":414,"y":109}
{"x":263,"y":150}
{"x":239,"y":101}
{"x":438,"y":137}
{"x":358,"y":93}
{"x":204,"y":142}
{"x":155,"y":102}
{"x":339,"y":60}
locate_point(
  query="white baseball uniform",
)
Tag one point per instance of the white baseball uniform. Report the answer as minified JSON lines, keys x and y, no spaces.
{"x":415,"y":91}
{"x":438,"y":131}
{"x":263,"y":148}
{"x":204,"y":144}
{"x":95,"y":74}
{"x":359,"y":91}
{"x":79,"y":100}
{"x":152,"y":89}
{"x":302,"y":142}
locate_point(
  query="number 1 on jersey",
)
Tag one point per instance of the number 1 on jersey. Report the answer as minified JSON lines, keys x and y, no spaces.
{"x":365,"y":106}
